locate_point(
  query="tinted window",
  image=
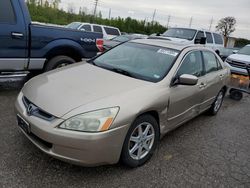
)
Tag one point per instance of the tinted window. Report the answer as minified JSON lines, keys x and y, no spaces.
{"x":218,"y":38}
{"x":73,"y":25}
{"x":7,"y":14}
{"x":97,"y":29}
{"x":210,"y":61}
{"x":180,"y":33}
{"x":209,"y":38}
{"x":200,"y":34}
{"x":142,"y":61}
{"x":192,"y":64}
{"x":111,"y":31}
{"x":86,"y":28}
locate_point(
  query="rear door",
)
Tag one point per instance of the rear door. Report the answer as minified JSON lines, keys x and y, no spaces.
{"x":210,"y":41}
{"x":13,"y":37}
{"x":185,"y":100}
{"x":215,"y":75}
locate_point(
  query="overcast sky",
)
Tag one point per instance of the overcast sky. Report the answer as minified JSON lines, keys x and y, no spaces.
{"x":180,"y":11}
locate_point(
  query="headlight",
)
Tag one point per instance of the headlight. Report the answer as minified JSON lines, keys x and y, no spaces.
{"x":96,"y":121}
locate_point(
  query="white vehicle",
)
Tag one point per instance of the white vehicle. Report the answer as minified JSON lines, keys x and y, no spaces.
{"x":107,"y":31}
{"x":194,"y":36}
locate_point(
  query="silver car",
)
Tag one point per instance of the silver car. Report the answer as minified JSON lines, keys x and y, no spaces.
{"x":118,"y":105}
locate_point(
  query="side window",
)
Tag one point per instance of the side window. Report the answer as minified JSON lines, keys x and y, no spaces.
{"x":210,"y":61}
{"x":86,"y":28}
{"x":209,"y":38}
{"x":218,"y":38}
{"x":219,"y":64}
{"x":199,"y":35}
{"x":111,"y":31}
{"x":97,"y":29}
{"x":7,"y":14}
{"x":192,"y":64}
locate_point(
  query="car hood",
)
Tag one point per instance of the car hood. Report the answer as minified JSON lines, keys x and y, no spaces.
{"x":240,"y":57}
{"x":61,"y":91}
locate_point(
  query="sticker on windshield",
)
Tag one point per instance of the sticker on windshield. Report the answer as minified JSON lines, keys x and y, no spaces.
{"x":167,"y":52}
{"x":156,"y":76}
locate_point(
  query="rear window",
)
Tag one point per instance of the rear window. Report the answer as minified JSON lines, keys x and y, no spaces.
{"x":97,"y":29}
{"x":7,"y":14}
{"x":111,"y":31}
{"x":211,"y":62}
{"x":200,"y":34}
{"x":209,"y":38}
{"x":218,"y":38}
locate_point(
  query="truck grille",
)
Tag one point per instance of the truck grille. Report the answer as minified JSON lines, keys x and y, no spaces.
{"x":33,"y":110}
{"x":238,"y":64}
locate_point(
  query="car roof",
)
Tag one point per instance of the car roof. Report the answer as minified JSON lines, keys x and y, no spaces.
{"x":165,"y":43}
{"x":197,"y":29}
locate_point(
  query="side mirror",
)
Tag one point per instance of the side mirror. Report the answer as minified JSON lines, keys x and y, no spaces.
{"x":187,"y":79}
{"x":235,"y":51}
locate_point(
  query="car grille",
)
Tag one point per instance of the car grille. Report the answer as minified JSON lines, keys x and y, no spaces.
{"x":33,"y":110}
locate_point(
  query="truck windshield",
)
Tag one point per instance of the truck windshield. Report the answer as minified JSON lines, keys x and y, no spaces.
{"x":181,"y":33}
{"x":141,"y":61}
{"x":74,"y":25}
{"x":245,"y":50}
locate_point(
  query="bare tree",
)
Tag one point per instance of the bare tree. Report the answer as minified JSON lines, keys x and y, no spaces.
{"x":226,"y":26}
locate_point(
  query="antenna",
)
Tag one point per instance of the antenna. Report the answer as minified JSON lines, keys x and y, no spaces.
{"x":191,"y":21}
{"x":211,"y":23}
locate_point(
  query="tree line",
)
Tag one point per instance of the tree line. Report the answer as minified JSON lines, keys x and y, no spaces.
{"x":47,"y":11}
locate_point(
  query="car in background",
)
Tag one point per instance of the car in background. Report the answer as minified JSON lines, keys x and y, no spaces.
{"x":240,"y":62}
{"x":119,"y":104}
{"x":194,"y":36}
{"x":108,"y":44}
{"x":226,"y":52}
{"x":107,"y":31}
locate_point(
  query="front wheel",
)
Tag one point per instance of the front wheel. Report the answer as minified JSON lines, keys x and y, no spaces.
{"x":58,"y":62}
{"x":141,"y":141}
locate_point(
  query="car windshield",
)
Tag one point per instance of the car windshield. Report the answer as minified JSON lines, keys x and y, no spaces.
{"x":245,"y":50}
{"x":121,"y":39}
{"x":141,"y":61}
{"x":73,"y":25}
{"x":180,"y":33}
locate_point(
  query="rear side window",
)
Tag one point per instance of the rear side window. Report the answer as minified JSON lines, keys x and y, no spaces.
{"x":209,"y":38}
{"x":111,"y":31}
{"x":86,"y":28}
{"x":97,"y":29}
{"x":218,"y":38}
{"x":7,"y":14}
{"x":200,"y":34}
{"x":192,"y":64}
{"x":210,"y":61}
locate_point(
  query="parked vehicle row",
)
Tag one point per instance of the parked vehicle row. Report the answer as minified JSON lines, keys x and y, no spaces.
{"x":108,"y":32}
{"x":26,"y":46}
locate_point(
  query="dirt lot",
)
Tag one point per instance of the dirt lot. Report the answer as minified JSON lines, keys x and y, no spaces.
{"x":206,"y":152}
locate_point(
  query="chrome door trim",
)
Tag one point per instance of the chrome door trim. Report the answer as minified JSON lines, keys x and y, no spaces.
{"x":36,"y":63}
{"x":13,"y":63}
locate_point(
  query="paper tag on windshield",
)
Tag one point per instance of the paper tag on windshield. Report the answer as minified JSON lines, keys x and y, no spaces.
{"x":167,"y":52}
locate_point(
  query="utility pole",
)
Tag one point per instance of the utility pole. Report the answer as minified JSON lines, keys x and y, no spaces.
{"x":211,"y":23}
{"x":95,"y":6}
{"x":191,"y":21}
{"x":169,"y":17}
{"x":153,"y":19}
{"x":110,"y":13}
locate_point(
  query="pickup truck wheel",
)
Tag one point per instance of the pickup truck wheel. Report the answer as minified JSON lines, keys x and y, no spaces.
{"x":58,"y":62}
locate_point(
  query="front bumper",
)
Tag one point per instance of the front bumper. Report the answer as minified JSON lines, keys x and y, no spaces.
{"x":80,"y":148}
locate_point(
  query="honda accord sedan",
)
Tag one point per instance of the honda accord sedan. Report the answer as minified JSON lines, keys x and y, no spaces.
{"x":117,"y":106}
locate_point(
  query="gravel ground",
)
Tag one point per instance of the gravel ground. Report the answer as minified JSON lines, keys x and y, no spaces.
{"x":206,"y":152}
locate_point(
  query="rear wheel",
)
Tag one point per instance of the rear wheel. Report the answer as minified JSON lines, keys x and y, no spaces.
{"x":217,"y":103}
{"x":58,"y":62}
{"x":141,"y":141}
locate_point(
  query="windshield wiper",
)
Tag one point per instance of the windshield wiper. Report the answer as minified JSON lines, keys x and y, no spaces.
{"x":123,"y":72}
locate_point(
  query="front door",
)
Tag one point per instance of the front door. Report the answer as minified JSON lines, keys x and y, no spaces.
{"x":13,"y":37}
{"x":185,"y":100}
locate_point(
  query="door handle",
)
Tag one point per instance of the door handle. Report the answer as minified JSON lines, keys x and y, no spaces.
{"x":17,"y":35}
{"x":202,"y":85}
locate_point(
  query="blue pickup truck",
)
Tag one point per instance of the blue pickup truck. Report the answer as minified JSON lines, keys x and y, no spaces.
{"x":25,"y":46}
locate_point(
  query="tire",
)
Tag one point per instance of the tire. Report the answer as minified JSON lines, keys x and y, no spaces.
{"x":57,"y":62}
{"x":130,"y":155}
{"x":214,"y":109}
{"x":235,"y":94}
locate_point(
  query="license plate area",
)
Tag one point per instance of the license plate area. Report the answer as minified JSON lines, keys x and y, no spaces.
{"x":25,"y":126}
